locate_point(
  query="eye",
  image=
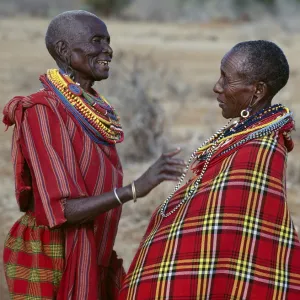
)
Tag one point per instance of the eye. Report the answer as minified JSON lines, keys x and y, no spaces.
{"x":97,"y":39}
{"x":224,"y":77}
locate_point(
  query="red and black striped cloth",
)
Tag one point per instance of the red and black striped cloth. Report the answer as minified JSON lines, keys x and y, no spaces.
{"x":55,"y":160}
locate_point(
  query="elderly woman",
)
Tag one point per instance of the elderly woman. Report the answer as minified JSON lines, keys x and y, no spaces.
{"x":227,"y":233}
{"x":68,"y":175}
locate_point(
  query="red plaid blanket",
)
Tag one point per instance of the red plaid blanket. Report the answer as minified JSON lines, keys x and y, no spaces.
{"x":234,"y":240}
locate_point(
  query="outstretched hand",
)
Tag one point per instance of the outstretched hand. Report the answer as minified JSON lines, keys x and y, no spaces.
{"x":165,"y":168}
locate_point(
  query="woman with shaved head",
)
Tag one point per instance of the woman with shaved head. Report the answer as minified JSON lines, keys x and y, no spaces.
{"x":68,"y":175}
{"x":227,"y":233}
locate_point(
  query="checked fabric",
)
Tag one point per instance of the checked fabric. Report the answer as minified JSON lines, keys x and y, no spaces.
{"x":234,"y":240}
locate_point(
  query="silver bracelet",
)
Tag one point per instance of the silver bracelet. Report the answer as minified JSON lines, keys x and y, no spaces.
{"x":117,"y":197}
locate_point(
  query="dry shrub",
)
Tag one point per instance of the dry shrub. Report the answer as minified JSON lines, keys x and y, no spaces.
{"x":206,"y":10}
{"x":42,"y":8}
{"x":107,"y":7}
{"x":137,"y":88}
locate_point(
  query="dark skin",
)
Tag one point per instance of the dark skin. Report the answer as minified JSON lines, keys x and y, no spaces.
{"x":78,"y":211}
{"x":234,"y":93}
{"x":83,"y":52}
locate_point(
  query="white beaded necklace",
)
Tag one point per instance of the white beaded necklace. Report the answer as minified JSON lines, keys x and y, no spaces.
{"x":193,"y":189}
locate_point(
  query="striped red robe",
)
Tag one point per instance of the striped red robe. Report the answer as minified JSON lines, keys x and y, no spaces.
{"x":234,"y":240}
{"x":54,"y":161}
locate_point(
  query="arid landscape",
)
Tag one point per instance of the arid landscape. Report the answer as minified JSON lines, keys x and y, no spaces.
{"x":178,"y":65}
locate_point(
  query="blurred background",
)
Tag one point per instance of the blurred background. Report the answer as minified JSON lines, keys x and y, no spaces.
{"x":167,"y":58}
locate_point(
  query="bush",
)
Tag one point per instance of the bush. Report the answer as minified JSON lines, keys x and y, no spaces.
{"x":108,"y":7}
{"x":137,"y":87}
{"x":207,"y":10}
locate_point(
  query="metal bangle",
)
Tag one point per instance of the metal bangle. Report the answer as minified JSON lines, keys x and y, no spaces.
{"x":133,"y":192}
{"x":117,"y":197}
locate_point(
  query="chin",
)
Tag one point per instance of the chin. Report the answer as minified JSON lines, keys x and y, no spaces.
{"x":225,"y":115}
{"x":100,"y":77}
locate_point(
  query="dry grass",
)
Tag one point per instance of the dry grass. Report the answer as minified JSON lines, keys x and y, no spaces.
{"x":191,"y":56}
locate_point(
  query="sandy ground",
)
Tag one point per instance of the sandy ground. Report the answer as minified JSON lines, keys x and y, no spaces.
{"x":192,"y":52}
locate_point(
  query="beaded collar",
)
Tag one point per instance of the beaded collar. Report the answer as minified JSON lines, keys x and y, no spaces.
{"x":96,"y":116}
{"x":241,"y":127}
{"x":265,"y":122}
{"x":255,"y":119}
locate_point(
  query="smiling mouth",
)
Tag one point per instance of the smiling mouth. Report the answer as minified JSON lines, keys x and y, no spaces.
{"x":103,"y":62}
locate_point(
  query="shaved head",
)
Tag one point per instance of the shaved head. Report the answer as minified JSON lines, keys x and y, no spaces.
{"x":65,"y":27}
{"x":79,"y":42}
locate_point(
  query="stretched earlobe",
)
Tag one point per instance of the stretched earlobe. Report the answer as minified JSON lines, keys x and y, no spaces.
{"x":64,"y":58}
{"x":62,"y":52}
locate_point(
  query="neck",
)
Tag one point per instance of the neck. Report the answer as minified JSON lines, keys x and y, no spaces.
{"x":85,"y":84}
{"x":261,"y":106}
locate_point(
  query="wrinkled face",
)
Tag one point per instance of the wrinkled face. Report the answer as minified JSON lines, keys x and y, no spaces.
{"x":90,"y":49}
{"x":234,"y":94}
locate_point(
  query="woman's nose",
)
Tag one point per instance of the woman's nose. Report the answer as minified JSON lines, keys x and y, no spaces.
{"x":218,"y":88}
{"x":107,"y":49}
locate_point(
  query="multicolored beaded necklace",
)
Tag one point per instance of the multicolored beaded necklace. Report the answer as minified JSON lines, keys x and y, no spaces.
{"x":245,"y":126}
{"x":255,"y":119}
{"x":265,"y":122}
{"x":97,"y":117}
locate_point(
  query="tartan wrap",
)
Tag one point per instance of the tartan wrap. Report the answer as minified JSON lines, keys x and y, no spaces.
{"x":234,"y":240}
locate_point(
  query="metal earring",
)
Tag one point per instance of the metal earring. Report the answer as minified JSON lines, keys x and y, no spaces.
{"x":245,"y":113}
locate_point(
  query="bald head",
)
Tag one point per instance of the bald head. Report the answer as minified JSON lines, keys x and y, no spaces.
{"x":66,"y":27}
{"x":79,"y":42}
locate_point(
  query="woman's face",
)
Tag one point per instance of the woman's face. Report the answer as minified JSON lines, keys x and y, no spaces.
{"x":91,"y":52}
{"x":234,"y":94}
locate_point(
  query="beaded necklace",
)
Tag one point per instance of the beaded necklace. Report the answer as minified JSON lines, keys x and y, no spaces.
{"x":253,"y":123}
{"x":210,"y":146}
{"x":255,"y":119}
{"x":97,"y":117}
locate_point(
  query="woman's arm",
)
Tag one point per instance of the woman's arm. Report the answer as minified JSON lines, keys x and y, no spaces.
{"x":86,"y":209}
{"x":61,"y":197}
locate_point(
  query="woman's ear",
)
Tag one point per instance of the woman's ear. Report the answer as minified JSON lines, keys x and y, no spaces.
{"x":63,"y":52}
{"x":261,"y":92}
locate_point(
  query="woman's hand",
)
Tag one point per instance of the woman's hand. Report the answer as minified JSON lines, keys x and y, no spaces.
{"x":83,"y":210}
{"x":165,"y":168}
